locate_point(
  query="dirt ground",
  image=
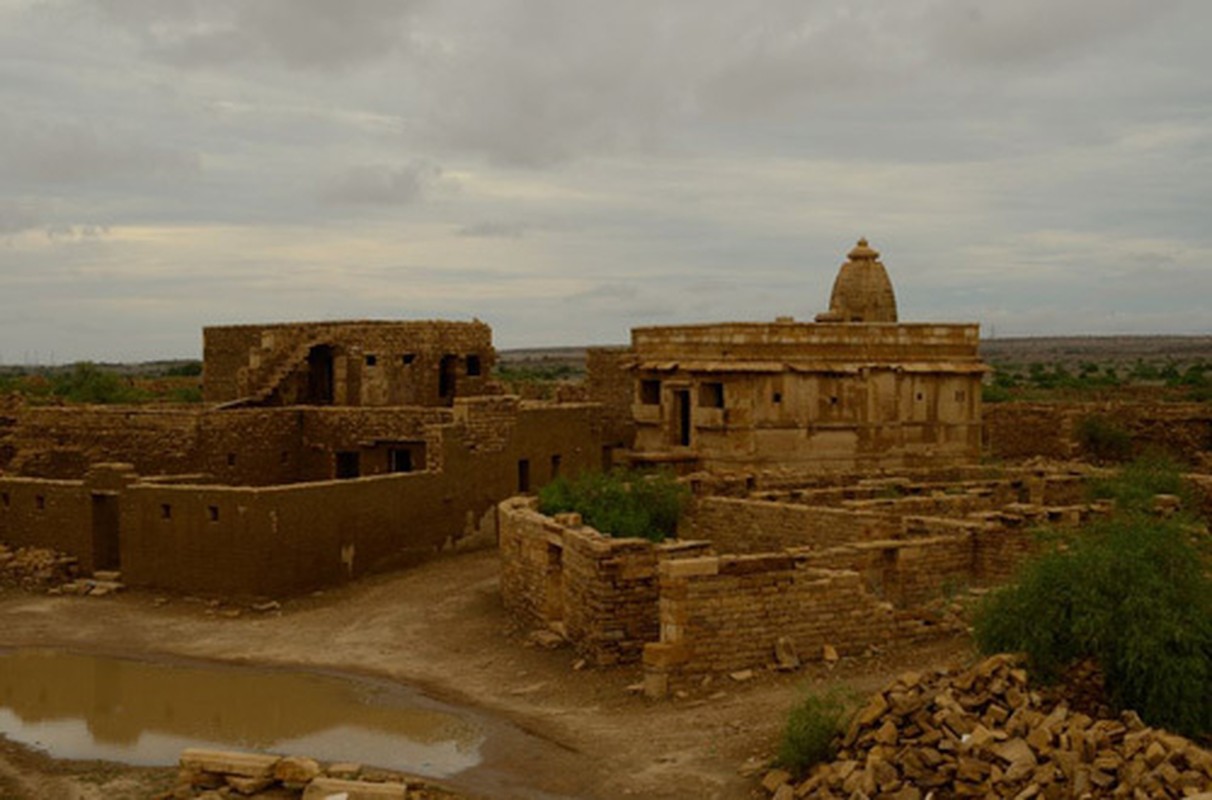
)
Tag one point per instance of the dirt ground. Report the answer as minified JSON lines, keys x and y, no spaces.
{"x":441,"y":628}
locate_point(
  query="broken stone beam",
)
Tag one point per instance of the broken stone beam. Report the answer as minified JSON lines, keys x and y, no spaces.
{"x":248,"y":765}
{"x":325,"y":788}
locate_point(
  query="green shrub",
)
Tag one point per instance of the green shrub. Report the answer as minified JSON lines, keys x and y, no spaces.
{"x":813,"y":727}
{"x":1135,"y":593}
{"x":995,"y":393}
{"x":1134,"y":485}
{"x":88,"y":383}
{"x":1103,"y":440}
{"x":620,"y":503}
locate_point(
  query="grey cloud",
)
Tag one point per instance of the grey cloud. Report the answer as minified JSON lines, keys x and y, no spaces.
{"x":1032,"y":30}
{"x":57,"y":152}
{"x":379,"y":184}
{"x":491,"y":230}
{"x":314,"y":34}
{"x":16,"y":217}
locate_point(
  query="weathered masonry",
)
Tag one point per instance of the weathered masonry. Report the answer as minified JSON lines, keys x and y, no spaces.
{"x":847,"y":562}
{"x":336,"y":449}
{"x":856,"y":388}
{"x":372,"y":363}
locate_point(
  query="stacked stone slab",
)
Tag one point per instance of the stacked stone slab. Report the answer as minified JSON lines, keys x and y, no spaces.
{"x":207,"y":774}
{"x":986,"y":733}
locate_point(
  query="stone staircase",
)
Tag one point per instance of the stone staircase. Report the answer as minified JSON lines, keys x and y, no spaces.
{"x":276,"y":372}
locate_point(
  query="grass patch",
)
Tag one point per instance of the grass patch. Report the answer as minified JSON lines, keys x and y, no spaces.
{"x":622,"y":504}
{"x":813,"y":727}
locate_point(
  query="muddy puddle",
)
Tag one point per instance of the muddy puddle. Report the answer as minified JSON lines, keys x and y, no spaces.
{"x":87,"y":707}
{"x":76,"y":706}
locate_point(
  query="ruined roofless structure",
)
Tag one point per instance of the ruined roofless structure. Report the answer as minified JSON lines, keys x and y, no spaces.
{"x":857,"y":388}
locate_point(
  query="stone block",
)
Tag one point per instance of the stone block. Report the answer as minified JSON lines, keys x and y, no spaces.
{"x":246,"y":765}
{"x":337,"y":789}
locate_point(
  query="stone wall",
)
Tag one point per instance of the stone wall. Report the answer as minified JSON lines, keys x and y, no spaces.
{"x":370,"y":363}
{"x":47,"y":513}
{"x":600,"y":592}
{"x":753,"y":526}
{"x":724,"y":613}
{"x":1025,"y":430}
{"x":608,"y":381}
{"x":196,"y":535}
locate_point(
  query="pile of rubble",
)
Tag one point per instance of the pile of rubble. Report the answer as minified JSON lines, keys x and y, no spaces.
{"x":219,"y":775}
{"x":985,"y":733}
{"x":35,"y":567}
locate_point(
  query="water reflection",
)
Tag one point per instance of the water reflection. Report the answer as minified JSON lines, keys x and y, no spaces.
{"x":78,"y":706}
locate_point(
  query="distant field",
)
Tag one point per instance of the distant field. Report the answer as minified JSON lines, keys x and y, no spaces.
{"x":1073,"y":350}
{"x":1068,"y":350}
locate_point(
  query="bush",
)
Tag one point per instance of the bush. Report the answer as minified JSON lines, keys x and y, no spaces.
{"x":995,"y":393}
{"x":1103,"y":439}
{"x":813,"y":727}
{"x":88,"y":383}
{"x":1135,"y":485}
{"x":620,"y":503}
{"x":1135,"y":593}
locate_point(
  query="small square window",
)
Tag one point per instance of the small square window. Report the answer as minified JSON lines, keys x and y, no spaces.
{"x":833,"y":401}
{"x":408,"y":358}
{"x":231,"y":459}
{"x":166,"y":511}
{"x":711,"y":395}
{"x":39,"y":502}
{"x":777,"y":398}
{"x":212,"y":513}
{"x":473,"y":365}
{"x":555,"y":466}
{"x":650,"y":392}
{"x":920,"y":397}
{"x":371,"y":359}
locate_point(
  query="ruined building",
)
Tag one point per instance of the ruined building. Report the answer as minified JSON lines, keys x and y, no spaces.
{"x":330,"y":450}
{"x":856,"y":388}
{"x":415,"y":363}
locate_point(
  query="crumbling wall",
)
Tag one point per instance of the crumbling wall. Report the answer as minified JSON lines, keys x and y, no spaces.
{"x":53,"y":514}
{"x":724,"y":613}
{"x":600,"y":591}
{"x":61,"y":441}
{"x":373,"y":363}
{"x":754,"y":526}
{"x":608,"y":380}
{"x":282,"y":540}
{"x":1026,"y":430}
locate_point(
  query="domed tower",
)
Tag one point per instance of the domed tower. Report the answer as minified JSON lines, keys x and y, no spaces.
{"x":862,"y":291}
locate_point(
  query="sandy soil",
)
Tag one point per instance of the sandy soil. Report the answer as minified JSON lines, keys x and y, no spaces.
{"x":441,"y":628}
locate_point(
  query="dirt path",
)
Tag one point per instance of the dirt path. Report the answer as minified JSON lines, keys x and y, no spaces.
{"x":441,"y":628}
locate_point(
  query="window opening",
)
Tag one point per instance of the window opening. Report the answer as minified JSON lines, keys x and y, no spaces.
{"x":348,"y":464}
{"x":400,"y":460}
{"x":650,"y":392}
{"x":711,"y":395}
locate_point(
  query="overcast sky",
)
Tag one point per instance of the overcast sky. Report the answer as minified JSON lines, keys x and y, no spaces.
{"x":567,"y":170}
